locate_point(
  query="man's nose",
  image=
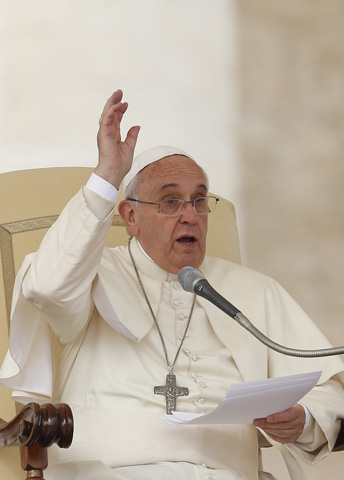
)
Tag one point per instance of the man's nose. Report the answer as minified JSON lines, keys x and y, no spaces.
{"x":189,"y":214}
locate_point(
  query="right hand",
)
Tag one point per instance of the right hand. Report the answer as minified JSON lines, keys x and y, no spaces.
{"x":115,"y":156}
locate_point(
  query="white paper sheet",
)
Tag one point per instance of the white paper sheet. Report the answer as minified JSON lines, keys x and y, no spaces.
{"x":249,"y":400}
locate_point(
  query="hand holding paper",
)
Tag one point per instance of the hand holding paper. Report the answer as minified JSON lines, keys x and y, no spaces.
{"x":284,"y":427}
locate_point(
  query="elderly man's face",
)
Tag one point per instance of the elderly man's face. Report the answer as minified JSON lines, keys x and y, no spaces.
{"x":172,"y":242}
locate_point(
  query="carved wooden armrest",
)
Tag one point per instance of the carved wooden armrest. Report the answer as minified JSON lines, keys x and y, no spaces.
{"x":34,"y":429}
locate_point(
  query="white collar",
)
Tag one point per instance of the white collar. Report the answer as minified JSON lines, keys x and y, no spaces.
{"x":163,"y":275}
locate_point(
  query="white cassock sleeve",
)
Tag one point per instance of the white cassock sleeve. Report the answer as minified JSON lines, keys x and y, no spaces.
{"x":74,"y":248}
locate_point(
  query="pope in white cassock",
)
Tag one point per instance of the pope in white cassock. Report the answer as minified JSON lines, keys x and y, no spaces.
{"x":128,"y":331}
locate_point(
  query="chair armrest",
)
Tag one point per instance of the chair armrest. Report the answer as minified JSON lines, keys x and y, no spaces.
{"x":36,"y":428}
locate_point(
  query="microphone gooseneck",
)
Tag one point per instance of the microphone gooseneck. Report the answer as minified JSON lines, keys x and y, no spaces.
{"x":193,"y":280}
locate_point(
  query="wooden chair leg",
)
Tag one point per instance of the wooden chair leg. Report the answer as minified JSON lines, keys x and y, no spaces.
{"x":34,"y":460}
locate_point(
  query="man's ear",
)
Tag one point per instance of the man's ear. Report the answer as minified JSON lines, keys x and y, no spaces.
{"x":128,"y":214}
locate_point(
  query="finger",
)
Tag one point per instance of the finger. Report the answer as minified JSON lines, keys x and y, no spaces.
{"x":280,"y":426}
{"x":115,"y":98}
{"x":113,"y":115}
{"x":112,"y":101}
{"x":283,"y":439}
{"x":285,"y":416}
{"x":121,"y":107}
{"x":284,"y":435}
{"x":132,"y":136}
{"x":280,"y":432}
{"x":264,"y":424}
{"x":288,"y":415}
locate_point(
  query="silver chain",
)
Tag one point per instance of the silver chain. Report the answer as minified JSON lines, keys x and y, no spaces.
{"x":170,"y":367}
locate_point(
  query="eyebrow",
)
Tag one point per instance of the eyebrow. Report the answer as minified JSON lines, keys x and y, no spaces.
{"x":175,"y":185}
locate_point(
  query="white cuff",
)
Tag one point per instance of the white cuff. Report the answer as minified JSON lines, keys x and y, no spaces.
{"x":308,"y":420}
{"x":102,"y":187}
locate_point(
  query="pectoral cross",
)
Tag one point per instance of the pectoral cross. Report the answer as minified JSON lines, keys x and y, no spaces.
{"x":171,"y":392}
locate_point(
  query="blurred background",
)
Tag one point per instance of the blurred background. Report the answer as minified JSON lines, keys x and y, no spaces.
{"x":253,"y":90}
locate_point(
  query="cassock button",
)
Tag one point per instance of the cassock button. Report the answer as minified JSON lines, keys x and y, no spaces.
{"x":176,"y":302}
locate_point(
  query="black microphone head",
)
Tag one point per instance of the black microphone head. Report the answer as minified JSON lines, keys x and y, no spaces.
{"x":188,"y":277}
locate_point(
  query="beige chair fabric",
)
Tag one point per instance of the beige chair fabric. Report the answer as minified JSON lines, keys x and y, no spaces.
{"x":30,"y":202}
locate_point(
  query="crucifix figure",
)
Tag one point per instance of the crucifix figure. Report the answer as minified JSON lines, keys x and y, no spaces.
{"x":171,"y":392}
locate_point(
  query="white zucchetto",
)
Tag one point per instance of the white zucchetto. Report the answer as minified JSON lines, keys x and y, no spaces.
{"x":150,"y":156}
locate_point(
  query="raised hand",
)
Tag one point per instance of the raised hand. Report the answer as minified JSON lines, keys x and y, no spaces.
{"x":115,"y":155}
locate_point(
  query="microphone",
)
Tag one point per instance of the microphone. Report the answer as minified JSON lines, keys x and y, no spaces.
{"x":192,"y":280}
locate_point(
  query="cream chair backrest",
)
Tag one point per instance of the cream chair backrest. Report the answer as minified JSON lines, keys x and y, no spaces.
{"x":30,"y":202}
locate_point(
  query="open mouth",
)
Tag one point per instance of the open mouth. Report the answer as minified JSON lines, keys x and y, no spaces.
{"x":186,"y":240}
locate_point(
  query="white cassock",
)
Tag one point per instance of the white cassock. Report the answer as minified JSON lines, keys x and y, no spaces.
{"x":112,"y":357}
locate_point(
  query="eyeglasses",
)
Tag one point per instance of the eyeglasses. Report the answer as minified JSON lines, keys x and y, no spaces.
{"x":175,"y":206}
